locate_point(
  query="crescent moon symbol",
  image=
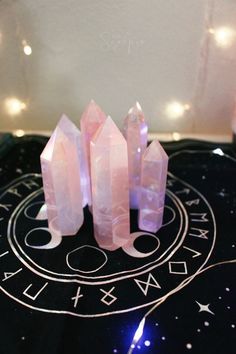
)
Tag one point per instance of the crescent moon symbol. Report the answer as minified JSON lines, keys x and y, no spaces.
{"x":129,"y":248}
{"x":53,"y":243}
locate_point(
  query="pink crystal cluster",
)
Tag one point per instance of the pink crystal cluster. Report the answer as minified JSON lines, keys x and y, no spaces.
{"x":109,"y":171}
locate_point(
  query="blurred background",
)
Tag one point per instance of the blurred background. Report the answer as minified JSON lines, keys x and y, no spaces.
{"x":176,"y":57}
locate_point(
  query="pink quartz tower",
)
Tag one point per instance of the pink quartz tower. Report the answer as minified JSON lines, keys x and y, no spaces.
{"x":136,"y":134}
{"x":110,"y":192}
{"x":92,"y":118}
{"x":106,"y":170}
{"x":61,"y":179}
{"x":153,"y":187}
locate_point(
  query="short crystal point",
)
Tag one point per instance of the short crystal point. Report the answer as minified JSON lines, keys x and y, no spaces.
{"x":110,"y":194}
{"x":136,"y":133}
{"x":91,"y":120}
{"x":61,"y":179}
{"x":153,"y":187}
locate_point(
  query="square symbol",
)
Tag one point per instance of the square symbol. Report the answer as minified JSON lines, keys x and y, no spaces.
{"x":178,"y":268}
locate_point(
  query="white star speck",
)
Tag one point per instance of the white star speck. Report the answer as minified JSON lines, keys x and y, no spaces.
{"x":204,"y":308}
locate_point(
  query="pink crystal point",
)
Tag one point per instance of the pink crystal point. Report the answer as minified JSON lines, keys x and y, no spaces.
{"x":61,"y":179}
{"x":84,"y":179}
{"x":110,"y":192}
{"x":153,"y":185}
{"x":136,"y":134}
{"x":92,"y":118}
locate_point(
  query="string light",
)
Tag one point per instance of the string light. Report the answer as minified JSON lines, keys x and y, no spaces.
{"x":224,"y":36}
{"x":14,"y":106}
{"x":176,"y":109}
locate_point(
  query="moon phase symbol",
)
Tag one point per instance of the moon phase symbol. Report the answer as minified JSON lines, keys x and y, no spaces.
{"x":27,"y":210}
{"x":76,"y":250}
{"x":55,"y":238}
{"x":172,"y":218}
{"x":129,"y":248}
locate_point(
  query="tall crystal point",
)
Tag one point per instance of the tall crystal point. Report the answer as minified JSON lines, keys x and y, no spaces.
{"x":92,"y":118}
{"x":110,"y":192}
{"x":153,"y":186}
{"x":136,"y":134}
{"x":61,"y":179}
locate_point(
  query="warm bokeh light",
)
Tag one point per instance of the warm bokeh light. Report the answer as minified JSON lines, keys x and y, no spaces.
{"x":14,"y":106}
{"x":176,"y":109}
{"x":176,"y":136}
{"x":26,"y":47}
{"x":19,"y":133}
{"x":224,"y":36}
{"x":27,"y":50}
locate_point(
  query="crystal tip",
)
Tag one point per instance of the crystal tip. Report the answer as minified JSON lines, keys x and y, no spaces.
{"x":135,"y":109}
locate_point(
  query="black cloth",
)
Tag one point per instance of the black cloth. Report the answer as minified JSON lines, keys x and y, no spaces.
{"x":76,"y":298}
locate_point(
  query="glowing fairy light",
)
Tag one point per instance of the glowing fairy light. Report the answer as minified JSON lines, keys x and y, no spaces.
{"x":176,"y":109}
{"x":26,"y":48}
{"x":14,"y":106}
{"x":211,"y":30}
{"x":176,"y":136}
{"x":19,"y":133}
{"x":147,"y":343}
{"x":224,"y":36}
{"x":138,"y":334}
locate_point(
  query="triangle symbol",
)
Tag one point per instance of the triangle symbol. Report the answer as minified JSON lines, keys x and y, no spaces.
{"x":7,"y":275}
{"x":151,"y":281}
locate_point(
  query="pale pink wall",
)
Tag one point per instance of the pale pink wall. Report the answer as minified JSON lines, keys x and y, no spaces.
{"x":117,"y":52}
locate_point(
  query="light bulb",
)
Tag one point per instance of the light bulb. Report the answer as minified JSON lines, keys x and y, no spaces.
{"x":14,"y":106}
